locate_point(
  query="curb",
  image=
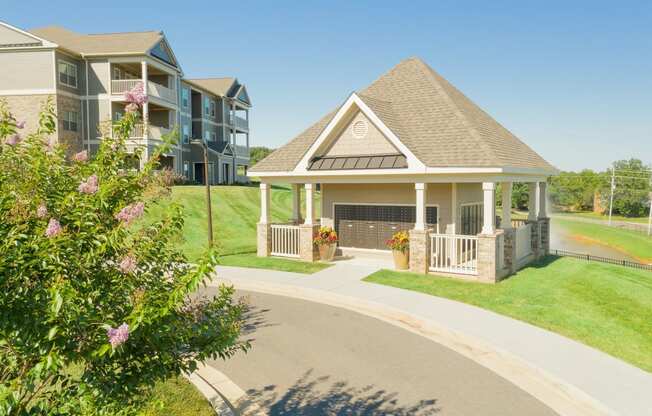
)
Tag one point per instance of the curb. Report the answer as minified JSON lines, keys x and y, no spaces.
{"x":560,"y":396}
{"x":226,"y":397}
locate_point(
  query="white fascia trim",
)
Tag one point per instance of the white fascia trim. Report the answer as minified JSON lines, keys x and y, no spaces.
{"x":414,"y":164}
{"x":45,"y":42}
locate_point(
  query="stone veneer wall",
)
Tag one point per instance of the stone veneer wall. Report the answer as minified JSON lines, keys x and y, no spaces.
{"x":509,"y":242}
{"x":535,"y":238}
{"x":487,"y":258}
{"x":308,"y":251}
{"x":71,"y":140}
{"x":26,"y":108}
{"x":544,"y":235}
{"x":419,"y":251}
{"x":264,"y":240}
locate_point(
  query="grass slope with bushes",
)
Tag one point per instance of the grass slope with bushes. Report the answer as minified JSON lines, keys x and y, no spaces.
{"x":607,"y":307}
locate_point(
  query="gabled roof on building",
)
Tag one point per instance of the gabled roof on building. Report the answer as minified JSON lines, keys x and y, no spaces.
{"x":100,"y":43}
{"x":438,"y":124}
{"x":222,"y":87}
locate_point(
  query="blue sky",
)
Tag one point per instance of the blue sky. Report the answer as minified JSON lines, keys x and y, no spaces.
{"x":571,"y":79}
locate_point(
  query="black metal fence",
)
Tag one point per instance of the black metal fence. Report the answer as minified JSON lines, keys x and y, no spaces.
{"x":590,"y":257}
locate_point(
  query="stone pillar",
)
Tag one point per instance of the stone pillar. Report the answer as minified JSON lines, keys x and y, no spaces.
{"x":420,"y":189}
{"x":264,"y":240}
{"x":419,"y":251}
{"x":296,"y":203}
{"x":308,"y":251}
{"x":487,"y":258}
{"x":489,"y":200}
{"x":310,"y":204}
{"x":536,"y":240}
{"x":544,"y":236}
{"x":509,"y":241}
{"x":506,"y":220}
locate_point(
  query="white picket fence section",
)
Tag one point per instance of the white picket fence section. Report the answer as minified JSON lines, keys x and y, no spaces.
{"x":452,"y":253}
{"x":523,"y":242}
{"x":285,"y":240}
{"x":120,"y":86}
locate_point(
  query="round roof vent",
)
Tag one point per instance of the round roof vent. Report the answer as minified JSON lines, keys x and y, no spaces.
{"x":360,"y":129}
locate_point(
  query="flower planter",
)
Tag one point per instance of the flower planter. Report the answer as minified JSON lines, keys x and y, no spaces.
{"x":327,"y":252}
{"x":401,"y":259}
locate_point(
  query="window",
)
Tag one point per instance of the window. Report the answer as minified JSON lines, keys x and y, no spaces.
{"x":186,"y":133}
{"x":70,"y":119}
{"x":213,"y":136}
{"x":184,"y":97}
{"x":206,"y":135}
{"x":207,"y":105}
{"x":186,"y":169}
{"x":472,"y":217}
{"x":212,"y":108}
{"x":117,"y":116}
{"x":117,"y":74}
{"x":67,"y":74}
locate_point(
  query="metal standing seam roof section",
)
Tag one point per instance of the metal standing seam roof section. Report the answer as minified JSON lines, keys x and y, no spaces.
{"x":359,"y":162}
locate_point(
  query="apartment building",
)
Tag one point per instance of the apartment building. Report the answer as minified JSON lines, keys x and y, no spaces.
{"x":86,"y":76}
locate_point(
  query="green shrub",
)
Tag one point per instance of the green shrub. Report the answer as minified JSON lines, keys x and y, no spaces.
{"x":95,"y":309}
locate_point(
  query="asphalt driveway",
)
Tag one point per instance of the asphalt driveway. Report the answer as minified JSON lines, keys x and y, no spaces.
{"x":313,"y":359}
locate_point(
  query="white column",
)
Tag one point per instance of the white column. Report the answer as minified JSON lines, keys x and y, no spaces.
{"x":506,"y":221}
{"x":310,"y":204}
{"x":543,"y":212}
{"x":265,"y":191}
{"x":532,"y":201}
{"x":489,"y":191}
{"x":420,"y":189}
{"x":296,"y":203}
{"x":143,"y":65}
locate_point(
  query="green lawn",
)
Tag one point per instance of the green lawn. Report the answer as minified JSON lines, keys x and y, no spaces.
{"x":635,"y":244}
{"x":286,"y":265}
{"x":177,"y":397}
{"x":598,"y":216}
{"x":604,"y":306}
{"x":236,"y":210}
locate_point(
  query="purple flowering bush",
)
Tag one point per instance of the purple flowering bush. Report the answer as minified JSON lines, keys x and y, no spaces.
{"x":96,"y":305}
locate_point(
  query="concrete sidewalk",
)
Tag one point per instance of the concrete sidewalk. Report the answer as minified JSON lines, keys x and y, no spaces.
{"x":568,"y":376}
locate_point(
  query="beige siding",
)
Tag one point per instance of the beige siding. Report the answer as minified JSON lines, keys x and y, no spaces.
{"x":23,"y":70}
{"x":98,"y":77}
{"x":81,"y":76}
{"x":11,"y":37}
{"x":372,"y":143}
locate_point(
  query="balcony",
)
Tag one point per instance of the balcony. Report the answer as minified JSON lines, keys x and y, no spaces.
{"x":242,"y":151}
{"x":121,"y":86}
{"x":154,"y":132}
{"x":239,"y":123}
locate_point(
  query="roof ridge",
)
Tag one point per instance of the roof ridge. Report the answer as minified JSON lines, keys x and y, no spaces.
{"x":459,"y":113}
{"x":122,"y":33}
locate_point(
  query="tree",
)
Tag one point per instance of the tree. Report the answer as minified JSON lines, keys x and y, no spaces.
{"x":258,"y":153}
{"x":96,"y":305}
{"x":631,"y":193}
{"x":575,"y":191}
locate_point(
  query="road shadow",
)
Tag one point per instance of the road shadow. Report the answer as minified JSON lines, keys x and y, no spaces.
{"x":313,"y":395}
{"x":254,"y":318}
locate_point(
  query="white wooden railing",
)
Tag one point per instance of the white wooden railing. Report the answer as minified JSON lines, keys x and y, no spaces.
{"x":120,"y":86}
{"x":136,"y":132}
{"x":285,"y":240}
{"x":452,"y":253}
{"x":165,"y":93}
{"x":523,"y":242}
{"x":239,"y":122}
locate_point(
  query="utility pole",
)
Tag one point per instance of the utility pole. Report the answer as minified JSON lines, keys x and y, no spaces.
{"x":208,"y":195}
{"x":613,"y":186}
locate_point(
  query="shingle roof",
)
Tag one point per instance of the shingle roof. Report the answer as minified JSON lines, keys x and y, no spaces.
{"x":434,"y":120}
{"x":101,"y":43}
{"x":218,"y":86}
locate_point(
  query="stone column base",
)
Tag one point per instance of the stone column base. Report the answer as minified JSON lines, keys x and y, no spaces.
{"x":308,"y":251}
{"x":535,"y":238}
{"x":509,"y":242}
{"x":544,"y":236}
{"x":487,"y":258}
{"x":419,"y":251}
{"x":264,"y":240}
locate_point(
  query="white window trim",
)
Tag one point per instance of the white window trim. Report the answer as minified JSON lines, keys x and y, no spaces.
{"x":63,"y":61}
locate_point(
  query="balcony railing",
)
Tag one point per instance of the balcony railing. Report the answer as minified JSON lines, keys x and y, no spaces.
{"x":136,"y":132}
{"x":121,"y":86}
{"x":164,"y":93}
{"x":242,"y":151}
{"x":154,"y":132}
{"x":239,"y":122}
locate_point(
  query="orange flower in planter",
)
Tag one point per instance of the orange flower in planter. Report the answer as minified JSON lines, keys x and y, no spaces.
{"x":400,"y":241}
{"x":325,"y":235}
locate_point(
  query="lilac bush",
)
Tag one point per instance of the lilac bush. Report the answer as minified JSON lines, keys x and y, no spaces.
{"x":95,"y":300}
